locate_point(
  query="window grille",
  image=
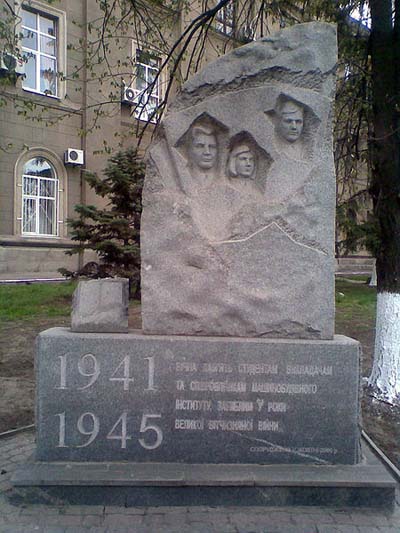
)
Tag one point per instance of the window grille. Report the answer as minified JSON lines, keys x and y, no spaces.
{"x":40,"y":190}
{"x":146,"y":86}
{"x":225,"y":19}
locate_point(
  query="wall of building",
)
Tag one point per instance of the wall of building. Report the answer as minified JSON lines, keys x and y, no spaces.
{"x":86,"y":114}
{"x":35,"y":124}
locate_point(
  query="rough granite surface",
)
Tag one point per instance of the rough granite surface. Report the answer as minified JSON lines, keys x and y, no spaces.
{"x":237,"y":233}
{"x":101,"y":305}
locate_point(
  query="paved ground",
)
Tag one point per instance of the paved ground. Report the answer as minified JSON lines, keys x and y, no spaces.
{"x":56,"y":518}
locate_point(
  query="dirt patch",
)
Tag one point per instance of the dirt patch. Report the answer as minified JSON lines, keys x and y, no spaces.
{"x":17,"y":381}
{"x":17,"y":355}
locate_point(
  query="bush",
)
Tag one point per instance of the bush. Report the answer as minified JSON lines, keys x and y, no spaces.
{"x":113,"y":232}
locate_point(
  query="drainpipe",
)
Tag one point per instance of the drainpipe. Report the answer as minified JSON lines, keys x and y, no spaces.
{"x":83,"y":116}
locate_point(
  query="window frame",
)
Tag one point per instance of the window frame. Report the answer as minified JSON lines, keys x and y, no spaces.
{"x":59,"y":17}
{"x":140,"y":112}
{"x":36,"y":197}
{"x":60,"y":194}
{"x":226,"y":24}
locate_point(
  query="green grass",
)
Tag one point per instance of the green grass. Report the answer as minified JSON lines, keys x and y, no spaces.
{"x":355,"y":300}
{"x":35,"y":300}
{"x":361,"y":278}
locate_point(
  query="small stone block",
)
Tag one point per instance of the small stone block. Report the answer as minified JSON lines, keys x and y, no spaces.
{"x":101,"y":306}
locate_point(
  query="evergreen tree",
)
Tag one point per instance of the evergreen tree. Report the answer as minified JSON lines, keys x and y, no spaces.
{"x":113,"y":232}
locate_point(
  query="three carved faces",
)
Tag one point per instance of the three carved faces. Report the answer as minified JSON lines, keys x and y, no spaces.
{"x":242,"y":158}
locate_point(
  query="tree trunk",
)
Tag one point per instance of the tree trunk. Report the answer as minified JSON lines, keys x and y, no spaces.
{"x":385,"y":376}
{"x":385,"y":57}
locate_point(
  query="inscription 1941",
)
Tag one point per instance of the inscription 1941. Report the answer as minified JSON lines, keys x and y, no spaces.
{"x":190,"y":401}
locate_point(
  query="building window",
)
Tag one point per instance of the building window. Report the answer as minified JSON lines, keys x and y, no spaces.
{"x":225,"y":19}
{"x":147,"y":86}
{"x":40,"y":191}
{"x":39,"y":51}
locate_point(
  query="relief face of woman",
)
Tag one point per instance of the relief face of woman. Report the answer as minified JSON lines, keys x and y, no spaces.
{"x":245,"y":165}
{"x":242,"y":162}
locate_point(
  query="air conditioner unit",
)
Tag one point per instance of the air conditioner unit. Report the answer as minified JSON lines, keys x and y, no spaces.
{"x":72,"y":156}
{"x":128,"y":95}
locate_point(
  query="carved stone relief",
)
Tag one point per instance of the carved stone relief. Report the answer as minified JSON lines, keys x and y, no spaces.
{"x":201,"y":146}
{"x":239,"y":199}
{"x":247,"y":164}
{"x":295,"y":127}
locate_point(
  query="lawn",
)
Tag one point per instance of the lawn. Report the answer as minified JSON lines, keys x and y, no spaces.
{"x":28,"y":301}
{"x":355,"y":302}
{"x":35,"y":300}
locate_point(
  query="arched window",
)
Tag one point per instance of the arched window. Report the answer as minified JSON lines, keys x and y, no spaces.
{"x":39,"y":198}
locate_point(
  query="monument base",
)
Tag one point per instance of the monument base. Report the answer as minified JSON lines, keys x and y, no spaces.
{"x":180,"y":399}
{"x":133,"y":484}
{"x":133,"y":419}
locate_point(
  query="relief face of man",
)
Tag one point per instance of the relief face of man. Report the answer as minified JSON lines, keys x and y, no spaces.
{"x":291,"y":121}
{"x":203,"y":148}
{"x":242,"y":162}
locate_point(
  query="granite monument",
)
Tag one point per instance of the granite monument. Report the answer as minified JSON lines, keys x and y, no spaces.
{"x":237,"y":363}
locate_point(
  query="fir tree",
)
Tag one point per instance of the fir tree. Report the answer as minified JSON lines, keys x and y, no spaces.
{"x":113,"y":232}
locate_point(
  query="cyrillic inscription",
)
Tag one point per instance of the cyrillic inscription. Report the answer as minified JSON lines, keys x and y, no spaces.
{"x":257,"y":368}
{"x":277,"y":407}
{"x":268,"y":425}
{"x":215,"y":368}
{"x":218,"y":386}
{"x":231,"y":425}
{"x":189,"y":424}
{"x":285,"y":388}
{"x":193,"y":405}
{"x":184,"y":366}
{"x":309,"y":370}
{"x":236,"y":406}
{"x":291,"y":449}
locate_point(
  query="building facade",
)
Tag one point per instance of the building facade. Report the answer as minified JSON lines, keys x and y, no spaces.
{"x":78,"y":82}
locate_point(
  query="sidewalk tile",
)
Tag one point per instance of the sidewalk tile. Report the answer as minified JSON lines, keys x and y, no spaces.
{"x":92,"y":521}
{"x":338,"y":529}
{"x":84,"y":509}
{"x":115,"y":509}
{"x":123,"y":521}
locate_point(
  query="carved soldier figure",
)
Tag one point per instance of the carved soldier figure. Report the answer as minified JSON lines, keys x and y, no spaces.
{"x":290,"y":121}
{"x":242,"y":162}
{"x":203,"y":147}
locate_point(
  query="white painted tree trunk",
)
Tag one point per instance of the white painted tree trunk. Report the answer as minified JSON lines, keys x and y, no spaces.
{"x":385,"y":375}
{"x":373,"y":282}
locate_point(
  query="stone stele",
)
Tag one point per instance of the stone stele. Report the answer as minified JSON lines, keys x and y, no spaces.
{"x":101,"y":306}
{"x":239,"y":198}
